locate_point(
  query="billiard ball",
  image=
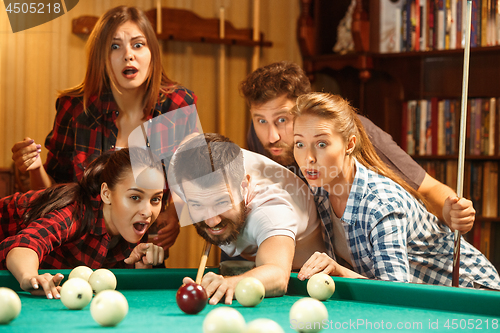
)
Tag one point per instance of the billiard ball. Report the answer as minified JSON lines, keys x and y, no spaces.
{"x":102,"y":279}
{"x":191,"y":298}
{"x":308,"y":315}
{"x":321,"y":286}
{"x":224,"y":320}
{"x":10,"y":305}
{"x":76,"y":293}
{"x":263,"y":325}
{"x":83,"y":272}
{"x":109,"y":307}
{"x":249,"y":291}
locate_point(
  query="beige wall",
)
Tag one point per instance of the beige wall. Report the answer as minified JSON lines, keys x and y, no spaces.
{"x":36,"y":63}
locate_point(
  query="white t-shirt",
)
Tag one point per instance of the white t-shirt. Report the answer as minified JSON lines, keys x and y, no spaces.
{"x":278,"y":204}
{"x":340,"y":244}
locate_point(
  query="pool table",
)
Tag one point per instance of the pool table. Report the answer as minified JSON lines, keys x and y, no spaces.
{"x":357,"y":305}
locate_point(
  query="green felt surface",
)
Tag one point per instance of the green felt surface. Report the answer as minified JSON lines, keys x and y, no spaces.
{"x":357,"y":306}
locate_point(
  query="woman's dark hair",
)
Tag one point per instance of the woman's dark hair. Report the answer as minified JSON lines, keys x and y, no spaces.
{"x":110,"y":168}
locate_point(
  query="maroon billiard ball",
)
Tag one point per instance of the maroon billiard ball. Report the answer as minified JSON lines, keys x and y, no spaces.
{"x":191,"y":298}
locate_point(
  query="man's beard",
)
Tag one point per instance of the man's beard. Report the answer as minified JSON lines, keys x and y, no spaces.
{"x":286,"y":158}
{"x":228,"y":237}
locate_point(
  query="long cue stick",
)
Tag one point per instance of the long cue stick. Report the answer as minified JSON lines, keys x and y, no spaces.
{"x":167,"y":194}
{"x":222,"y":75}
{"x":255,"y":35}
{"x":158,"y":17}
{"x":203,"y":262}
{"x":461,"y":152}
{"x":256,"y":49}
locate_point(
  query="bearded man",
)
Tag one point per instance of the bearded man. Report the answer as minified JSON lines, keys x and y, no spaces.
{"x":248,"y":205}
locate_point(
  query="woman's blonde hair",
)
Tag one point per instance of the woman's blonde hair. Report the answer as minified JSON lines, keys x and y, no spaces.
{"x":346,"y":123}
{"x":99,"y":76}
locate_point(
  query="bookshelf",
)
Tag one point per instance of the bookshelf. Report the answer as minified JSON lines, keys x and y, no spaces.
{"x":379,"y":85}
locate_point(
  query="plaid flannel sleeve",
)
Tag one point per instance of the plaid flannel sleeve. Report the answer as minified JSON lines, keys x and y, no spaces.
{"x":173,"y":120}
{"x":389,"y":251}
{"x":60,"y":142}
{"x":41,"y":235}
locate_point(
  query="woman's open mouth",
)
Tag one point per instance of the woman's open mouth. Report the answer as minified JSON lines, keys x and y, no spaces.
{"x":130,"y":72}
{"x":140,"y":227}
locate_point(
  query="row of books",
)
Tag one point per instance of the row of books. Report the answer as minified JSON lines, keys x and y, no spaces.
{"x":485,"y":236}
{"x":424,"y":25}
{"x":480,"y":182}
{"x":432,"y":127}
{"x":480,"y":185}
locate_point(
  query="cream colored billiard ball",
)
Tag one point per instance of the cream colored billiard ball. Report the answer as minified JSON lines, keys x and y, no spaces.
{"x":308,"y":315}
{"x":321,"y":286}
{"x":249,"y":291}
{"x":263,"y":325}
{"x":76,"y":293}
{"x":224,"y":319}
{"x":109,"y":307}
{"x":102,"y":279}
{"x":82,"y":272}
{"x":10,"y":305}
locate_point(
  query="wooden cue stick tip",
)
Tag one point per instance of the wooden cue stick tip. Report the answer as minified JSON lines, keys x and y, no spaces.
{"x":203,"y":262}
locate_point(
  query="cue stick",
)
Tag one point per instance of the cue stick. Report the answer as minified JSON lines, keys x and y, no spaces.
{"x":256,"y":22}
{"x":256,"y":49}
{"x":158,"y":17}
{"x":203,"y":262}
{"x":148,"y":147}
{"x":222,"y":74}
{"x":461,"y":152}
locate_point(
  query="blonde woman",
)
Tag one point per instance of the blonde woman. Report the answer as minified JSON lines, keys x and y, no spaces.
{"x":374,"y":224}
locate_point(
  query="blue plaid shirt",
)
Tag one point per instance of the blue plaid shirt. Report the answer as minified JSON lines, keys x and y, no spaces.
{"x":393,"y":237}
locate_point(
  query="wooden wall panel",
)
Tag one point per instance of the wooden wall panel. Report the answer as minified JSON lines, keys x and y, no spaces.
{"x":6,"y":182}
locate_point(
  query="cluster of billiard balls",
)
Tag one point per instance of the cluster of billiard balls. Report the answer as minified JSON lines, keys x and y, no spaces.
{"x":108,"y":308}
{"x":192,"y":298}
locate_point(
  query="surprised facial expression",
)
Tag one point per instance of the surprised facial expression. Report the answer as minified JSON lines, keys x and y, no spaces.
{"x":130,"y":56}
{"x":274,"y":127}
{"x":319,"y":151}
{"x":130,"y":208}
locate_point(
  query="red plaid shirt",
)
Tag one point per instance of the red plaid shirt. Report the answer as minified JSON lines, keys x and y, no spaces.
{"x":54,"y":237}
{"x":79,"y":137}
